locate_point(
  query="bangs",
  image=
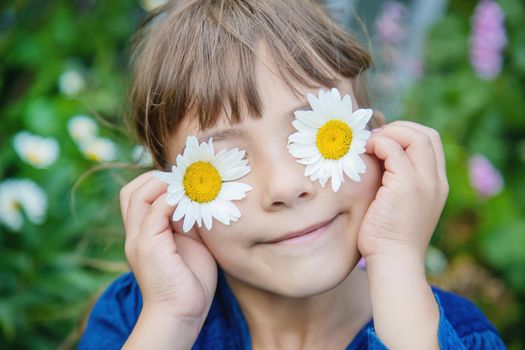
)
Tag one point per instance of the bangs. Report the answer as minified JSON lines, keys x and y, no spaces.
{"x":198,"y":60}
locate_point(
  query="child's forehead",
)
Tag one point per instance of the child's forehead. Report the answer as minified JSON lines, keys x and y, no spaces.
{"x":277,"y":102}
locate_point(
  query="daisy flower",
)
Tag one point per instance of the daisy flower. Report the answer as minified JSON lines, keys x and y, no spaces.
{"x":141,"y":156}
{"x":82,"y":128}
{"x":201,"y":184}
{"x":71,"y":83}
{"x":330,"y":138}
{"x":99,"y":149}
{"x":21,"y":194}
{"x":36,"y":150}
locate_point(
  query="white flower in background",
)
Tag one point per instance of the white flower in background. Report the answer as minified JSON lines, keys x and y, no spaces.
{"x":36,"y":150}
{"x":201,"y":184}
{"x":71,"y":82}
{"x":150,"y":5}
{"x":140,"y":155}
{"x":21,"y":194}
{"x":99,"y":149}
{"x":82,"y":128}
{"x":330,"y":138}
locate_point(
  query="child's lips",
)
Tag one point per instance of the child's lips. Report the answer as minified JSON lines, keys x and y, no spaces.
{"x":305,"y":234}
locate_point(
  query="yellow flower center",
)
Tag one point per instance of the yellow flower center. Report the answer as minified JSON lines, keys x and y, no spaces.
{"x":202,"y":182}
{"x":15,"y":205}
{"x":93,"y":156}
{"x":34,"y":157}
{"x":333,"y":139}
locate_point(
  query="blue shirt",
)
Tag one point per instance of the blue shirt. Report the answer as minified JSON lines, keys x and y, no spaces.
{"x":461,"y":326}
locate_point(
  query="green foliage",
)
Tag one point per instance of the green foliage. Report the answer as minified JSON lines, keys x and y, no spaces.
{"x":51,"y":273}
{"x":475,"y":116}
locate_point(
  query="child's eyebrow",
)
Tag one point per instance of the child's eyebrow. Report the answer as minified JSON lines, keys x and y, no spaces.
{"x":302,"y":106}
{"x":223,"y":135}
{"x":228,"y":134}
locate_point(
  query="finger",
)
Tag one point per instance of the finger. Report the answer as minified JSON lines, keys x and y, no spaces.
{"x":157,"y":218}
{"x":417,"y":146}
{"x":139,"y":203}
{"x":131,"y":187}
{"x":155,"y":224}
{"x":435,"y":138}
{"x":395,"y":159}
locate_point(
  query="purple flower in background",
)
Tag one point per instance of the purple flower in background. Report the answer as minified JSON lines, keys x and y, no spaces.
{"x":486,"y":180}
{"x":361,"y":264}
{"x":389,"y":22}
{"x":488,"y":39}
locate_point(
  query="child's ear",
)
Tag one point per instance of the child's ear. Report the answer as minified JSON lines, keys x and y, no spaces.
{"x":378,"y":119}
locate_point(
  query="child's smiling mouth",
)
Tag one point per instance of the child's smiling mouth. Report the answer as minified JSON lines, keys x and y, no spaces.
{"x":304,"y":235}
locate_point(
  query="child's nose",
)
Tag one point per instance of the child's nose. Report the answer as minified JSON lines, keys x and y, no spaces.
{"x":285,"y":185}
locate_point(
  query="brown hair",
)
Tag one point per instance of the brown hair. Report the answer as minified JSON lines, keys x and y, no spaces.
{"x":198,"y":56}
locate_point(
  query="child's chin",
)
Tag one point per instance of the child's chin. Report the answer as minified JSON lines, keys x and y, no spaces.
{"x":302,"y":283}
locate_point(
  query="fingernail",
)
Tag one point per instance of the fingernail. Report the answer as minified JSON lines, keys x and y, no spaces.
{"x":376,"y":130}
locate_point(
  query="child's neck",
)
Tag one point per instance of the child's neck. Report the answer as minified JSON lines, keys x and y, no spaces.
{"x":331,"y":318}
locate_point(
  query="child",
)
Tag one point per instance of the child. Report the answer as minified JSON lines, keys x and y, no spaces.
{"x":275,"y":268}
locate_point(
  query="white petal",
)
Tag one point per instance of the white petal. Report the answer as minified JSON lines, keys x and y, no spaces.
{"x":350,"y":170}
{"x":181,"y":164}
{"x":164,"y":176}
{"x":312,"y":168}
{"x":192,"y":142}
{"x":182,"y":208}
{"x":235,"y":173}
{"x":302,"y":138}
{"x":310,"y":160}
{"x":226,"y":159}
{"x":208,"y":149}
{"x":175,"y":197}
{"x":363,"y":135}
{"x":336,"y":183}
{"x":206,"y":215}
{"x":219,"y":212}
{"x":233,"y":191}
{"x":335,"y":94}
{"x":310,"y":118}
{"x":347,"y":104}
{"x":358,"y":145}
{"x":314,"y":102}
{"x":189,"y":219}
{"x":360,"y":118}
{"x":360,"y":166}
{"x":323,"y":181}
{"x":337,"y":175}
{"x":303,"y":151}
{"x":232,"y":210}
{"x":175,"y":187}
{"x":302,"y":127}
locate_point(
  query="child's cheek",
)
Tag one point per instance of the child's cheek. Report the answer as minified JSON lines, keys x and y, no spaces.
{"x":362,"y":193}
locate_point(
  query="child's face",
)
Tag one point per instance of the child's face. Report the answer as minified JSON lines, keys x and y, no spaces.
{"x":282,"y":201}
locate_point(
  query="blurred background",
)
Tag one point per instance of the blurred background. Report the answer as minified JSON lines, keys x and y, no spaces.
{"x":457,"y":66}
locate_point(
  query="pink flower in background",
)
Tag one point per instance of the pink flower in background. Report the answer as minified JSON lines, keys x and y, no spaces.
{"x":484,"y":177}
{"x":389,"y":22}
{"x":488,"y":39}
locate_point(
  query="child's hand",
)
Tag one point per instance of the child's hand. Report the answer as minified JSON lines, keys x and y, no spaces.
{"x":177,"y":275}
{"x":405,"y":212}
